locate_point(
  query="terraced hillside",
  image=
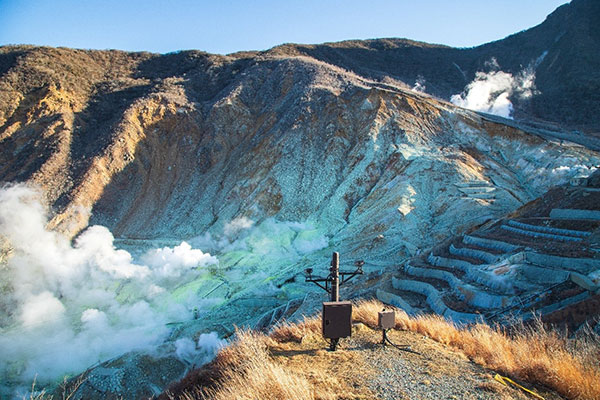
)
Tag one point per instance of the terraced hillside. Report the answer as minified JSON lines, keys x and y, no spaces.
{"x":542,"y":259}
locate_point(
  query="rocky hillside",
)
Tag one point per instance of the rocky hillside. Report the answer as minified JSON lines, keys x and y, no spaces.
{"x":540,"y":261}
{"x":291,"y":363}
{"x":172,"y":146}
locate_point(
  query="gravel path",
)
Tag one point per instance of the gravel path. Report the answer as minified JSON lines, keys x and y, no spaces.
{"x":436,"y":373}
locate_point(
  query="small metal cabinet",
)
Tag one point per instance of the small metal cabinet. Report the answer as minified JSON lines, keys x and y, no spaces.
{"x":337,"y":319}
{"x":387,"y":319}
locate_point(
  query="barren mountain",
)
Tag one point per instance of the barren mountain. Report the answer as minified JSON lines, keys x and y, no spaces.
{"x":171,"y":146}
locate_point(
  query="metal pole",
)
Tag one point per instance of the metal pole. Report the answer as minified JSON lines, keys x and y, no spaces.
{"x":335,"y":274}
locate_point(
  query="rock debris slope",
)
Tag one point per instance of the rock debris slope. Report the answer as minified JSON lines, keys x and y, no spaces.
{"x":172,"y":146}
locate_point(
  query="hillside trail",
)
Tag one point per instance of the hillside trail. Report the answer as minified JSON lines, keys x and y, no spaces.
{"x":373,"y":371}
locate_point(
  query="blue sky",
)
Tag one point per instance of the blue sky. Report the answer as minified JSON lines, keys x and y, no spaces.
{"x":227,"y":26}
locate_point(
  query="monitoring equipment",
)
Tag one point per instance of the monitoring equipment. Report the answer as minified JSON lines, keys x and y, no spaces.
{"x":337,"y":319}
{"x":337,"y":315}
{"x":386,"y":319}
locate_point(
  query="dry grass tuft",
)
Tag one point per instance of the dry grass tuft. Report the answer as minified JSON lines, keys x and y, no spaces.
{"x":255,"y":375}
{"x":250,"y":372}
{"x":287,"y":332}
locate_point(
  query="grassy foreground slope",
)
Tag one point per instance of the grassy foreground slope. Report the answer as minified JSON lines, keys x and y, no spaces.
{"x":460,"y":362}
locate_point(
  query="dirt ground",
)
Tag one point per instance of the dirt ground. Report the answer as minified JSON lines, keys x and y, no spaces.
{"x":372,"y":370}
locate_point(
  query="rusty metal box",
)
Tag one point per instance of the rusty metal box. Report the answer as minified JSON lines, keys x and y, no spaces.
{"x":337,"y":319}
{"x":387,"y":319}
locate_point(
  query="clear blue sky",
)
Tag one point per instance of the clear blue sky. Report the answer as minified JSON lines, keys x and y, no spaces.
{"x":226,"y":26}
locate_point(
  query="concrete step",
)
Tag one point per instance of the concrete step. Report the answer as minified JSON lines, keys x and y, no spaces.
{"x":449,"y":262}
{"x":484,"y":256}
{"x":581,"y":265}
{"x":434,"y":300}
{"x":534,"y":234}
{"x":490,"y":244}
{"x":565,"y":213}
{"x":476,"y":276}
{"x":548,"y":229}
{"x":420,"y":272}
{"x":470,"y":294}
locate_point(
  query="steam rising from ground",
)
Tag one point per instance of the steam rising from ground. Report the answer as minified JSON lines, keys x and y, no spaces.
{"x":201,"y":352}
{"x":67,"y":306}
{"x":491,"y":91}
{"x":420,"y":85}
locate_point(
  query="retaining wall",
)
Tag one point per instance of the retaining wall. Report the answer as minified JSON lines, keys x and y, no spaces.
{"x":473,"y":253}
{"x":565,"y":213}
{"x":490,"y":244}
{"x":541,"y":234}
{"x":581,"y":265}
{"x":548,"y":229}
{"x":434,"y":300}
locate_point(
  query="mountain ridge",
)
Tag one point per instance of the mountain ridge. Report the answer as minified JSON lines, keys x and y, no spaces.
{"x":569,"y":29}
{"x":565,"y":81}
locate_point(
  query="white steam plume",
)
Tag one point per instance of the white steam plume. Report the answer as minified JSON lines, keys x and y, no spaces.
{"x":490,"y":92}
{"x":420,"y":85}
{"x":281,"y":240}
{"x":237,"y":225}
{"x":201,"y":352}
{"x":67,"y":306}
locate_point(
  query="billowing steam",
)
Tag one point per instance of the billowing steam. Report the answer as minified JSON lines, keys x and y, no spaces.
{"x":420,"y":85}
{"x":491,"y":91}
{"x":201,"y":352}
{"x":67,"y":306}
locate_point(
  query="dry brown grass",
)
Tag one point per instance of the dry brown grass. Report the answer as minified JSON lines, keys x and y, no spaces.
{"x":287,"y":332}
{"x":531,"y":354}
{"x":252,"y":368}
{"x":256,"y":376}
{"x":257,"y":366}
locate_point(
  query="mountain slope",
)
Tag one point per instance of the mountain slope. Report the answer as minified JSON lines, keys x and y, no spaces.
{"x":208,"y":139}
{"x":563,"y":52}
